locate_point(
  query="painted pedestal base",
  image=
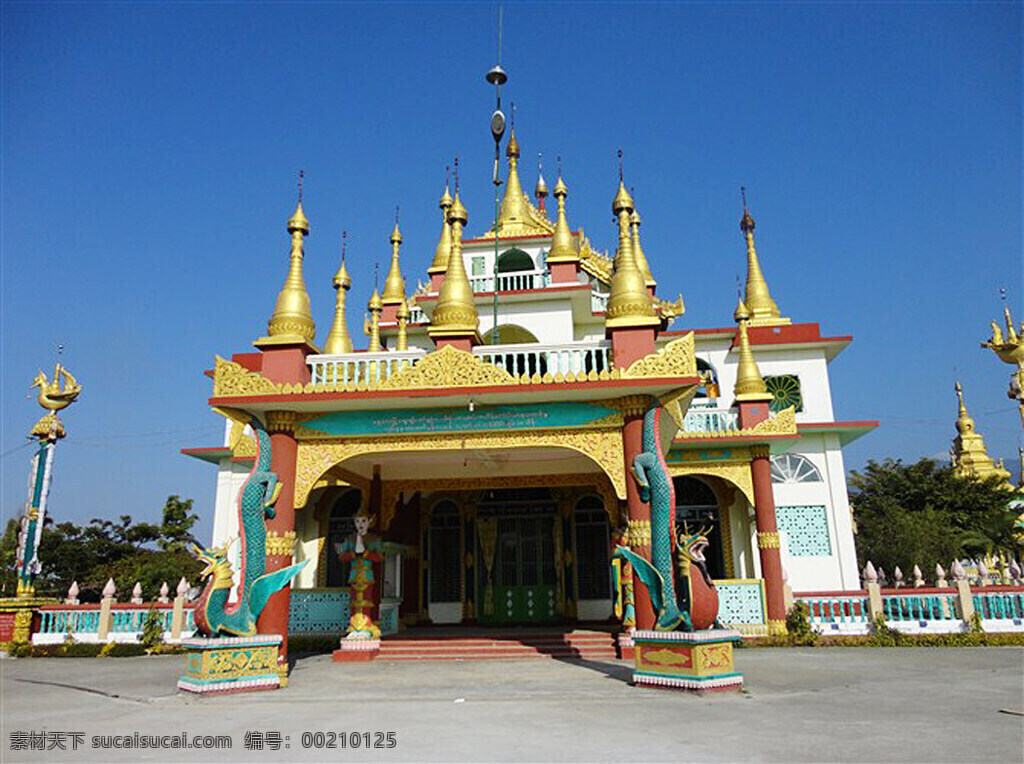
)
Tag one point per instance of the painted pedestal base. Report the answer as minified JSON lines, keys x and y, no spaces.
{"x":352,"y":650}
{"x":230,"y":664}
{"x":624,"y":645}
{"x":694,"y":661}
{"x":16,"y":615}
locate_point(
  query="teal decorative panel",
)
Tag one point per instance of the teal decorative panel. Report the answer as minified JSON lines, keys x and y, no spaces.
{"x":459,"y":419}
{"x":388,"y":618}
{"x":806,"y":530}
{"x":740,"y":603}
{"x":319,"y":611}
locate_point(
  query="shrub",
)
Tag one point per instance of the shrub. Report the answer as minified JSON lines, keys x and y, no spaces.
{"x":798,"y":624}
{"x":152,"y":630}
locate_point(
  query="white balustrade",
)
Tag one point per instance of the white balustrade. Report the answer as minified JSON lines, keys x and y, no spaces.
{"x":416,"y":315}
{"x":511,"y":281}
{"x":531,"y":358}
{"x":711,"y":420}
{"x":354,"y":368}
{"x":598,"y":302}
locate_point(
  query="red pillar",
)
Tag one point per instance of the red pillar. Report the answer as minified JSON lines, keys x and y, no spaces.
{"x":768,"y":539}
{"x":281,"y":528}
{"x":639,"y":512}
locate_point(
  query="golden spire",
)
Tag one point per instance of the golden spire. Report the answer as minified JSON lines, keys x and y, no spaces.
{"x":968,"y":454}
{"x":562,"y":249}
{"x":763,"y":309}
{"x":641,"y":259}
{"x":444,"y":246}
{"x":514,"y":209}
{"x":339,"y":341}
{"x":403,"y":325}
{"x":394,"y":284}
{"x":293,"y":319}
{"x":375,"y":306}
{"x":455,"y":312}
{"x":628,"y":302}
{"x":750,"y":384}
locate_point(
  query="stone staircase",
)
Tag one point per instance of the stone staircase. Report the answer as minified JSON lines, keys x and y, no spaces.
{"x":510,"y":645}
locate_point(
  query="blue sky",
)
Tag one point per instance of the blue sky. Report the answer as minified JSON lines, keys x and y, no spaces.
{"x":150,"y":154}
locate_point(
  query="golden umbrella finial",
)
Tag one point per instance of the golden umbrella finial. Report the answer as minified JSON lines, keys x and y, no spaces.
{"x":339,"y":340}
{"x":629,"y":304}
{"x":394,"y":284}
{"x":292,"y":321}
{"x":763,"y":310}
{"x":562,"y":249}
{"x":750,"y":384}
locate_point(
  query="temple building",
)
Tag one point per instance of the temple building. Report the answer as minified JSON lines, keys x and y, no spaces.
{"x":491,"y":422}
{"x":968,"y":453}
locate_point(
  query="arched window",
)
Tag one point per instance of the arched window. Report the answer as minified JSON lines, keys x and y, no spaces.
{"x":593,"y":570}
{"x":340,"y":526}
{"x":514,"y":260}
{"x":793,"y":468}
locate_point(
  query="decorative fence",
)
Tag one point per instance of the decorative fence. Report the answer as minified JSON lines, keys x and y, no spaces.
{"x":118,"y":623}
{"x":511,"y":282}
{"x":360,"y":368}
{"x":576,"y":357}
{"x":922,"y":610}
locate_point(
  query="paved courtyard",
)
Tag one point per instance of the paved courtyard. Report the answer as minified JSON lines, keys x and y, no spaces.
{"x":800,"y":705}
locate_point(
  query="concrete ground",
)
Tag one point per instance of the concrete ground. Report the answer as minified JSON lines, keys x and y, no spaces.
{"x":812,"y":704}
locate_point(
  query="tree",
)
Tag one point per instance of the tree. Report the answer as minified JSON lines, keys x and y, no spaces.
{"x":175,"y":530}
{"x":122,"y":550}
{"x":923,"y":513}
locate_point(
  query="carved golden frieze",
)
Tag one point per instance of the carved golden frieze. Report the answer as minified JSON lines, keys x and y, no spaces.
{"x":282,"y":544}
{"x":676,"y":359}
{"x":448,"y":367}
{"x":230,"y":378}
{"x":767,"y":540}
{"x":638,"y":533}
{"x":603,"y":446}
{"x":783,"y":423}
{"x":735,"y":472}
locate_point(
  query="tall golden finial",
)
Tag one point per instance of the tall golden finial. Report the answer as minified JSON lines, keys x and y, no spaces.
{"x":375,"y":306}
{"x":562,"y":249}
{"x":540,"y":191}
{"x":750,"y":384}
{"x":514,"y":210}
{"x":763,"y":310}
{"x":293,"y":319}
{"x":455,"y":313}
{"x":394,"y":284}
{"x":628,"y":302}
{"x":968,"y":453}
{"x":444,"y":246}
{"x":638,"y":252}
{"x":339,"y":340}
{"x":402,"y":315}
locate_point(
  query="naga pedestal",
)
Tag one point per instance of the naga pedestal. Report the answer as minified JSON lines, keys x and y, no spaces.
{"x":230,"y":664}
{"x":694,"y":661}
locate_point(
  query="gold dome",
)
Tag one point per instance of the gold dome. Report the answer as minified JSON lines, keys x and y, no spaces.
{"x":629,"y":304}
{"x":455,"y":313}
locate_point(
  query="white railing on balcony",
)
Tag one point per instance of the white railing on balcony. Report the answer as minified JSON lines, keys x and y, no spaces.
{"x":355,"y":368}
{"x":511,"y":282}
{"x":416,"y":315}
{"x":711,"y":420}
{"x":576,"y":357}
{"x":598,"y":302}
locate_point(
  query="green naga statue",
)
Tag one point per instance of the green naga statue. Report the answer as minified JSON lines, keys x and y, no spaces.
{"x":214,"y":616}
{"x":683,"y":597}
